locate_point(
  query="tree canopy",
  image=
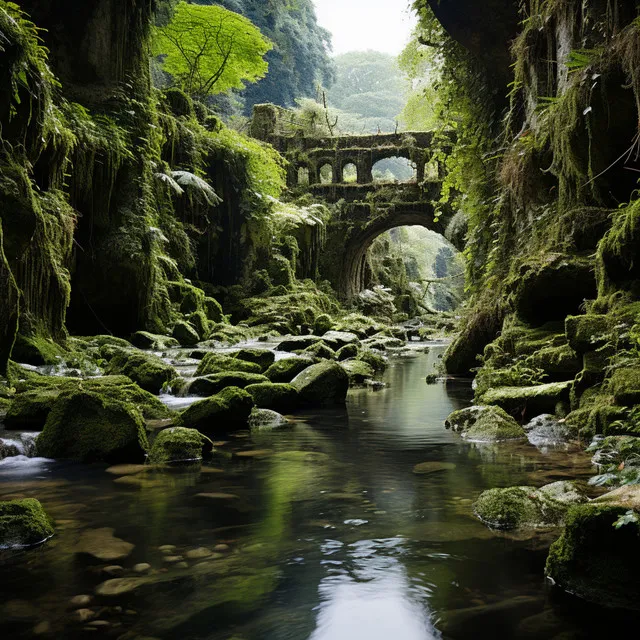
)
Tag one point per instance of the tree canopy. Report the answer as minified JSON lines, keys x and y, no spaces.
{"x":209,"y":49}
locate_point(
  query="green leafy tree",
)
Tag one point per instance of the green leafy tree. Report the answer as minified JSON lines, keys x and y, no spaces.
{"x":209,"y":49}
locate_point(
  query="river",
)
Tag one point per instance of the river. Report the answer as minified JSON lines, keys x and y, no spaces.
{"x":318,"y":531}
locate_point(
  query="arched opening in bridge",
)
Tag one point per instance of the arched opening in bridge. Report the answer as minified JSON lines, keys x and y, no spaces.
{"x":326,"y":174}
{"x":407,"y":271}
{"x":349,"y":173}
{"x":303,"y":176}
{"x":395,"y":169}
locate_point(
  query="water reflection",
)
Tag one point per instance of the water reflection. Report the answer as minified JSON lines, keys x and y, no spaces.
{"x":368,"y":594}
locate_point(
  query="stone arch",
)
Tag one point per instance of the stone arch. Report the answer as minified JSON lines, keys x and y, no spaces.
{"x":406,"y":167}
{"x":347,"y":166}
{"x":354,"y":261}
{"x":326,"y":173}
{"x":414,"y":154}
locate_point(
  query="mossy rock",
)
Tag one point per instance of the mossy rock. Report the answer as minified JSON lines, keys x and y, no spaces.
{"x":216,"y":382}
{"x":625,"y":386}
{"x":37,"y":350}
{"x":274,"y":395}
{"x":595,"y":559}
{"x":106,"y":341}
{"x":148,"y":371}
{"x":485,"y":424}
{"x":383,"y":343}
{"x":338,"y":339}
{"x":213,"y":310}
{"x":318,"y":350}
{"x":36,"y":397}
{"x":298,"y":343}
{"x":358,"y":371}
{"x":178,"y":444}
{"x":346,"y":352}
{"x":373,"y":358}
{"x":362,"y":325}
{"x":198,"y":320}
{"x":287,"y":369}
{"x":586,"y":333}
{"x":153,"y":341}
{"x":29,"y":410}
{"x":264,"y":358}
{"x":220,"y":363}
{"x":559,"y":363}
{"x":185,"y":334}
{"x":322,"y":384}
{"x":527,"y":507}
{"x":322,"y":324}
{"x":227,"y":411}
{"x":23,"y":523}
{"x":87,"y":426}
{"x":530,"y":401}
{"x":266,"y":420}
{"x":179,"y":102}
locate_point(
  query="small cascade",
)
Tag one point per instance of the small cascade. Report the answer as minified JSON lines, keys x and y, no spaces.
{"x":18,"y":444}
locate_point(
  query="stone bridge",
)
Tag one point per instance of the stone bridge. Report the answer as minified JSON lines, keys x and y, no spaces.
{"x":369,"y":208}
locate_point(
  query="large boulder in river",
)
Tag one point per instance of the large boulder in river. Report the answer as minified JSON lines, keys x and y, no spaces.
{"x":87,"y":426}
{"x":527,"y":507}
{"x":226,"y":411}
{"x":485,"y":424}
{"x":178,"y":444}
{"x":551,"y":397}
{"x":298,"y":343}
{"x":274,"y":395}
{"x":23,"y":523}
{"x":287,"y":369}
{"x":216,"y":382}
{"x":597,"y":556}
{"x":264,"y":358}
{"x":147,"y":370}
{"x":322,"y":384}
{"x":219,"y":363}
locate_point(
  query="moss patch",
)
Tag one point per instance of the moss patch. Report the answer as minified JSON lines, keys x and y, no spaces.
{"x":322,"y":384}
{"x":530,"y":401}
{"x":212,"y":384}
{"x":23,"y":523}
{"x":276,"y":396}
{"x":178,"y":444}
{"x":219,"y":363}
{"x":226,"y":411}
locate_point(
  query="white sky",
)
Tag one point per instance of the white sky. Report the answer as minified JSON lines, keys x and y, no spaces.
{"x":357,"y":25}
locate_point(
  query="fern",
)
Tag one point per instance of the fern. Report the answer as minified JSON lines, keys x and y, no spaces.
{"x":193,"y":184}
{"x":168,"y":180}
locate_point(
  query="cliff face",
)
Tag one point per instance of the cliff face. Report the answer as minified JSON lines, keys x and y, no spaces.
{"x":557,"y":272}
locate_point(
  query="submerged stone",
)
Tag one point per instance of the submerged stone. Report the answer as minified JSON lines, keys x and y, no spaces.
{"x":322,"y":384}
{"x":103,"y":545}
{"x":425,"y":468}
{"x":485,"y":424}
{"x":23,"y":523}
{"x":179,"y":444}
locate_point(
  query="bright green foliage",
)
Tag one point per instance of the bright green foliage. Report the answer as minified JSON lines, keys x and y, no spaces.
{"x":210,"y":50}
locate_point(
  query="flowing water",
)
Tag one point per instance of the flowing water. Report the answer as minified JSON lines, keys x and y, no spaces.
{"x":318,"y":531}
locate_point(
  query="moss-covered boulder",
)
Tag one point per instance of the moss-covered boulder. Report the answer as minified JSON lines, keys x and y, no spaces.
{"x":185,"y":334}
{"x":276,"y":396}
{"x":216,"y":382}
{"x":213,"y":310}
{"x":298,"y":343}
{"x":23,"y":523}
{"x":84,"y":425}
{"x":153,"y":341}
{"x":266,"y":419}
{"x":586,"y":333}
{"x":625,"y":386}
{"x":178,"y":444}
{"x":373,"y":358}
{"x":264,"y":358}
{"x":338,"y":339}
{"x":221,"y":363}
{"x":559,"y":363}
{"x":287,"y":369}
{"x":358,"y":371}
{"x":226,"y":411}
{"x":29,"y":410}
{"x":148,"y":371}
{"x":35,"y":398}
{"x":527,"y":507}
{"x":322,"y":324}
{"x":322,"y":384}
{"x":318,"y":350}
{"x":597,"y":559}
{"x":346,"y":352}
{"x":530,"y":401}
{"x":485,"y":424}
